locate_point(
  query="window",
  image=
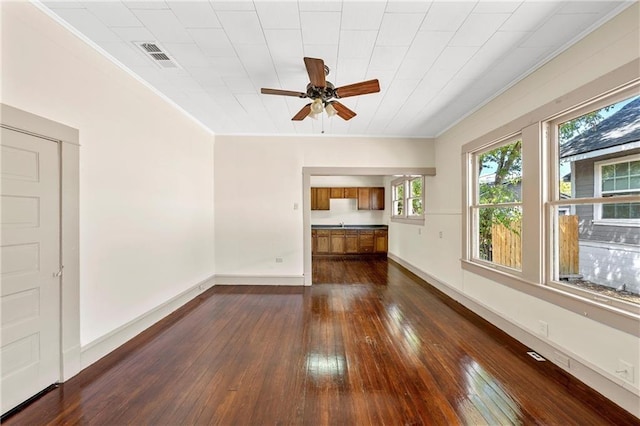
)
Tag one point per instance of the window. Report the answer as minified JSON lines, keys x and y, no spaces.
{"x":595,"y":248}
{"x":615,"y":178}
{"x":551,"y":204}
{"x":496,"y":206}
{"x":408,"y":199}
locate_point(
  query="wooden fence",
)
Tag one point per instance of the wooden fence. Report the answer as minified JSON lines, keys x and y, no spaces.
{"x":507,"y":245}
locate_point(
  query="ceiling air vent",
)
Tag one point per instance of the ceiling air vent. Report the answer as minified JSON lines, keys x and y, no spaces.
{"x":157,"y":54}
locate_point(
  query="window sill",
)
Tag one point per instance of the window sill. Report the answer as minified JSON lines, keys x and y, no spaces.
{"x":408,"y":221}
{"x":594,"y":309}
{"x":633,"y":223}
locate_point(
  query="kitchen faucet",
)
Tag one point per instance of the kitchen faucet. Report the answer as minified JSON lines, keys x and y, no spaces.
{"x":342,"y":224}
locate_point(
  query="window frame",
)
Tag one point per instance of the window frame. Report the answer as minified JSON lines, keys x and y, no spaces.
{"x":540,"y":181}
{"x":597,"y":192}
{"x":474,"y":205}
{"x":554,"y":202}
{"x":405,"y":217}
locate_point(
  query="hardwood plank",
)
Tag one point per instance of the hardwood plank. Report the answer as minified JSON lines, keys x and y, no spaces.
{"x":373,"y":345}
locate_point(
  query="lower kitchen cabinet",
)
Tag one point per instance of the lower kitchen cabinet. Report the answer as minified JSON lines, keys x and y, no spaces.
{"x":365,"y":241}
{"x":323,"y":241}
{"x":337,"y":241}
{"x":349,"y":241}
{"x":380,"y":241}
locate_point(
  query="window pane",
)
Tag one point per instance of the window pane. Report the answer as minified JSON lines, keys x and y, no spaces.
{"x":622,"y":169}
{"x":596,"y":257}
{"x":399,"y":190}
{"x":581,"y":143}
{"x":634,"y":167}
{"x":415,"y":206}
{"x":498,"y":232}
{"x":500,"y":178}
{"x":397,"y":208}
{"x":634,"y":182}
{"x":416,"y":187}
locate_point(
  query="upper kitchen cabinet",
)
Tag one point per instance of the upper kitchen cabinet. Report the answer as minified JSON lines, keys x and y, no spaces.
{"x":320,"y":198}
{"x":370,"y":198}
{"x":337,"y":193}
{"x":350,"y":192}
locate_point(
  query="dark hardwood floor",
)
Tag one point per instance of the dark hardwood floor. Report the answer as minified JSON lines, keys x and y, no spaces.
{"x":383,"y":349}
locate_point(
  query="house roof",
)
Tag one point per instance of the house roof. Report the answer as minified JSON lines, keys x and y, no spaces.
{"x":618,"y":129}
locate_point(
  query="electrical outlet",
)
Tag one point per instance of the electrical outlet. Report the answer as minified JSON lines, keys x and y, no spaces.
{"x":278,"y":260}
{"x":543,"y":328}
{"x":295,"y":206}
{"x":625,"y":371}
{"x":440,"y":234}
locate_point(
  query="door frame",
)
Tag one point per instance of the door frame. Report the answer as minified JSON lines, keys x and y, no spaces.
{"x":307,"y":172}
{"x":67,"y":139}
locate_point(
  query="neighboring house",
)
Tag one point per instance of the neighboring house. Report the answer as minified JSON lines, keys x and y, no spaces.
{"x":605,"y":161}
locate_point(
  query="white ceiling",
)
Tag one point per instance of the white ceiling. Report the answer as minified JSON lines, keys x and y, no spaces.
{"x":436,"y":61}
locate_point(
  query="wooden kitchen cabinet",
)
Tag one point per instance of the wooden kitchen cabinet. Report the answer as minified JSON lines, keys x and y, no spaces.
{"x":320,"y":198}
{"x":350,"y":192}
{"x":380,"y":237}
{"x":351,"y":241}
{"x":365,"y":241}
{"x":371,"y":198}
{"x":364,"y":198}
{"x":337,"y":193}
{"x":337,"y":241}
{"x":323,"y":241}
{"x":377,"y":198}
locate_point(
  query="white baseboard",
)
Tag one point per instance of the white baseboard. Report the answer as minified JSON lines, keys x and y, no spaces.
{"x":97,"y":349}
{"x":288,"y":280}
{"x":608,"y":385}
{"x":71,"y":364}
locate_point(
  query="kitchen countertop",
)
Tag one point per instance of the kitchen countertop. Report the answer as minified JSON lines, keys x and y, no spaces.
{"x":349,"y":227}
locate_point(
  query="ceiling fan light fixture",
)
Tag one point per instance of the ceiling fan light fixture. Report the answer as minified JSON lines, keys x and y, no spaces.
{"x":316,"y":106}
{"x":331,"y":111}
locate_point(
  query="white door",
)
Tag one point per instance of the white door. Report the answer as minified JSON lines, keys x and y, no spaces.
{"x":30,"y":240}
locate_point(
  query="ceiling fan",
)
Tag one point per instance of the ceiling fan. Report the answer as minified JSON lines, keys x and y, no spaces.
{"x":321,"y":92}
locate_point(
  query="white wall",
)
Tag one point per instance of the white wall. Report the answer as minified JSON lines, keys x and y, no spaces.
{"x":346,"y":210}
{"x":146,"y":174}
{"x":260,"y":179}
{"x":596,"y":345}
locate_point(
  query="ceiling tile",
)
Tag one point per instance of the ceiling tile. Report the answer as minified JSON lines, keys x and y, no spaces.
{"x":128,"y":55}
{"x":320,"y":6}
{"x":599,"y":7}
{"x":478,"y":28}
{"x":239,"y":84}
{"x":64,"y":4}
{"x":113,"y":14}
{"x":88,"y":24}
{"x":227,"y":66}
{"x":362,"y":15}
{"x":399,"y":29}
{"x":503,"y":6}
{"x":206,"y":76}
{"x":529,"y":15}
{"x":195,"y":14}
{"x":232,"y":5}
{"x":387,"y":57}
{"x":133,"y":33}
{"x":242,"y":27}
{"x":278,"y":15}
{"x":284,"y":43}
{"x":446,"y":16}
{"x":164,"y":25}
{"x":213,"y":42}
{"x":356,"y":44}
{"x":351,"y":70}
{"x":558,"y":30}
{"x":156,"y":4}
{"x":403,"y":6}
{"x":320,"y":27}
{"x":187,"y":54}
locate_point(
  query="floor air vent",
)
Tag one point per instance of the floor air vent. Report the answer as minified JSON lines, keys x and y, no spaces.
{"x":157,"y":54}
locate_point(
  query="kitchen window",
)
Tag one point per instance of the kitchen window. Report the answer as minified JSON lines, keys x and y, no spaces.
{"x":407,"y":194}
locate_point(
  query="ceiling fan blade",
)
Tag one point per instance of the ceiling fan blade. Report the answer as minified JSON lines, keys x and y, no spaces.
{"x":302,"y":114}
{"x":362,"y":88}
{"x":283,"y":92}
{"x":342,"y":111}
{"x":315,"y":69}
